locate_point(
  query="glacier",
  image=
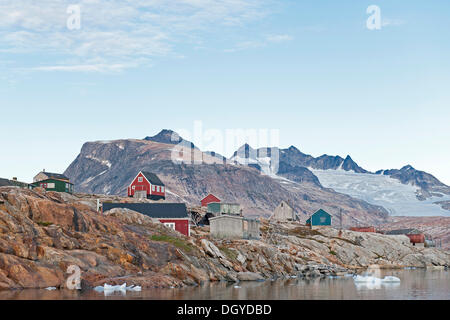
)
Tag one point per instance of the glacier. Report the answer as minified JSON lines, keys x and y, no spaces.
{"x":399,"y":199}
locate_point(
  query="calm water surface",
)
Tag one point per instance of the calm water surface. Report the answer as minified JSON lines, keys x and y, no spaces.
{"x":415,"y":284}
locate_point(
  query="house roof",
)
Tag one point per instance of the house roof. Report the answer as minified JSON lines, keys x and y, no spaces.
{"x":6,"y":183}
{"x":320,"y":211}
{"x":36,"y":184}
{"x":152,"y":178}
{"x":58,"y":176}
{"x":210,"y":195}
{"x":317,"y":212}
{"x":403,"y":231}
{"x":153,"y":210}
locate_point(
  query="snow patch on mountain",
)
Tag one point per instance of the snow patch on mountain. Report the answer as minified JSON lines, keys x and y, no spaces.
{"x":104,"y":162}
{"x":399,"y":199}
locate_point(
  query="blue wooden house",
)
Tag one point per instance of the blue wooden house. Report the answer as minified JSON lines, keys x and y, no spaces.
{"x":319,"y":218}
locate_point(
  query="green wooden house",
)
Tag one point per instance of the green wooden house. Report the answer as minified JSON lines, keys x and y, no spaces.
{"x":219,"y":208}
{"x":53,"y":182}
{"x":319,"y":218}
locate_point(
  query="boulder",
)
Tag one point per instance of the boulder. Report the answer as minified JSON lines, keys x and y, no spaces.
{"x":249,"y":276}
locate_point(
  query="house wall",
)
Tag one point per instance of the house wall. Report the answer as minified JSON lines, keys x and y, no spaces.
{"x":55,"y":185}
{"x":321,"y":219}
{"x":224,"y":208}
{"x":416,"y":238}
{"x":226,"y":227}
{"x":251,"y":229}
{"x":181,"y":225}
{"x":283,"y":213}
{"x":40,"y":177}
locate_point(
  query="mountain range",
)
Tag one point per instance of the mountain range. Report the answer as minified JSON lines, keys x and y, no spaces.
{"x":258,"y":179}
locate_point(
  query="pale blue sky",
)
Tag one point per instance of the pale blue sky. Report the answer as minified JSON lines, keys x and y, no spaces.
{"x":308,"y":68}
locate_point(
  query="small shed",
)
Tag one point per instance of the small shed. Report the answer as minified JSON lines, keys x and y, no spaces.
{"x":416,"y":237}
{"x":210,"y":198}
{"x":284,"y":212}
{"x":319,"y":218}
{"x":234,"y":227}
{"x":219,"y":208}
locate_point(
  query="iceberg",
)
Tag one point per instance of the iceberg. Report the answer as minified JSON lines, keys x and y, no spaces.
{"x":371,"y":282}
{"x":108,"y":289}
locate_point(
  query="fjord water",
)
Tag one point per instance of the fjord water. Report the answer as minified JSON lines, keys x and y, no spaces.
{"x":415,"y":284}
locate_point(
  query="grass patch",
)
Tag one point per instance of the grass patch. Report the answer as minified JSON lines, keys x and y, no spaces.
{"x":303,"y":232}
{"x":231,"y":254}
{"x":332,"y":252}
{"x":174,"y":241}
{"x":44,"y":223}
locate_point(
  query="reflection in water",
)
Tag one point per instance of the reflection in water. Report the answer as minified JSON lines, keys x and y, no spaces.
{"x":415,"y":284}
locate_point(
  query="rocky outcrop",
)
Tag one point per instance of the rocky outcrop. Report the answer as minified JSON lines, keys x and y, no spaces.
{"x":43,"y":233}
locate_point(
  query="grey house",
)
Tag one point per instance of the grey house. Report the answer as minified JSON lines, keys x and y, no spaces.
{"x":234,"y":227}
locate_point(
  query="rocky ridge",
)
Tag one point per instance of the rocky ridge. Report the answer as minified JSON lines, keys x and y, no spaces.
{"x":43,"y":233}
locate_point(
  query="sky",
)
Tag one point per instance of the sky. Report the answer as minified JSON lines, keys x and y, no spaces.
{"x":312,"y":70}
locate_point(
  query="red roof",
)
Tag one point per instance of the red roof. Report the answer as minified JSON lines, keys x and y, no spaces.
{"x":209,"y":199}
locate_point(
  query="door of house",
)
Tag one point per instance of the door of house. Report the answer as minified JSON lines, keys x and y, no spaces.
{"x":140,"y":194}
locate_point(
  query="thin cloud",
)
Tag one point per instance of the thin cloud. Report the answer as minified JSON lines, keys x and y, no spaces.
{"x":115,"y":32}
{"x":392,"y":22}
{"x":279,"y":38}
{"x":270,"y":39}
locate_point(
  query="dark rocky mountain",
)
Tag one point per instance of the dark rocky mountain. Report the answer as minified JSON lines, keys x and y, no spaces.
{"x":428,"y":184}
{"x":108,"y":168}
{"x":292,"y":163}
{"x":295,"y":157}
{"x":169,"y":137}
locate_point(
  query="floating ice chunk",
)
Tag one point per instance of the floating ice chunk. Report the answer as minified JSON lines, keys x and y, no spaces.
{"x":237,"y":287}
{"x":134,"y":288}
{"x":50,"y":288}
{"x":371,"y":282}
{"x":391,"y":279}
{"x":367,"y":279}
{"x":108,"y":289}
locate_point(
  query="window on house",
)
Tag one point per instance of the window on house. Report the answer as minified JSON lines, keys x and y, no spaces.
{"x":153,"y":188}
{"x":140,"y":179}
{"x":162,"y":189}
{"x":51,"y":185}
{"x":157,"y":188}
{"x":134,"y":187}
{"x":170,"y":225}
{"x":323,"y":219}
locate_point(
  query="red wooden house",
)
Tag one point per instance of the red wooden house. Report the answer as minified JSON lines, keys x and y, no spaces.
{"x":147,"y":185}
{"x":172,"y":215}
{"x":209,"y":199}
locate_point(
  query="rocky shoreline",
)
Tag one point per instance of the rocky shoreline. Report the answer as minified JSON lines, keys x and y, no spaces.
{"x":43,"y":233}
